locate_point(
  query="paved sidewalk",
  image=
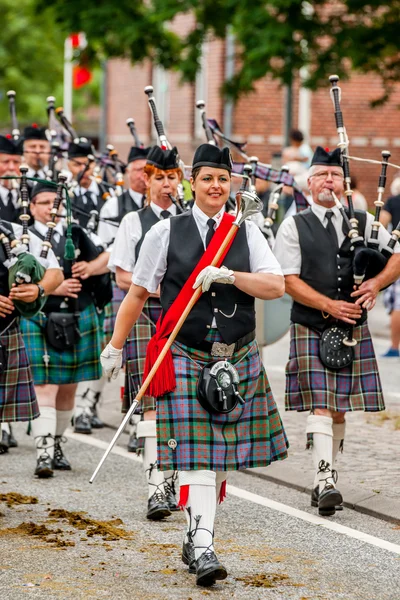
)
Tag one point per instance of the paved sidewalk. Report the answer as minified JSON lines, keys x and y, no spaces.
{"x":369,"y":466}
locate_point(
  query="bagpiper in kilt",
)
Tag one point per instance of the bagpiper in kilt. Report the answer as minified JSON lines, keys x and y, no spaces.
{"x":316,"y":256}
{"x":162,"y":177}
{"x":18,"y":400}
{"x":63,"y":341}
{"x":220,"y":414}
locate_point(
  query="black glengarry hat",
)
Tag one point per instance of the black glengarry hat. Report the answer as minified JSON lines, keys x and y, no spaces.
{"x":324,"y":157}
{"x":208,"y":155}
{"x":163,"y":159}
{"x":136,"y":153}
{"x":80,"y":147}
{"x":33,"y":132}
{"x":10,"y":146}
{"x":38,"y":188}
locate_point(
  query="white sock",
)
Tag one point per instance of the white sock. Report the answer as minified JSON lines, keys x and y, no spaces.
{"x":82,"y":402}
{"x":5,"y":427}
{"x":321,"y":428}
{"x":42,"y":428}
{"x":135,"y":420}
{"x":63,"y":420}
{"x":339,"y":430}
{"x":155,"y":478}
{"x":203,"y":505}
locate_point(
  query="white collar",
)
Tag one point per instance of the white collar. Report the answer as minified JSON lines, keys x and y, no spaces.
{"x":4,"y":192}
{"x":202,"y":218}
{"x":93,"y":188}
{"x":320,"y":211}
{"x":157,"y":210}
{"x":42,"y":228}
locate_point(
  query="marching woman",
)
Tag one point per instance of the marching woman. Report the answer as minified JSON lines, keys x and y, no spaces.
{"x":63,"y":340}
{"x":162,"y":176}
{"x":215,"y":409}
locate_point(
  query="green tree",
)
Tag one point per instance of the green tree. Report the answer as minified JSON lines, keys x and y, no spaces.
{"x":277,"y":37}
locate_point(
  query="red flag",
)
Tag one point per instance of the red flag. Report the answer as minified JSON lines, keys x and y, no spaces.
{"x":81,"y":76}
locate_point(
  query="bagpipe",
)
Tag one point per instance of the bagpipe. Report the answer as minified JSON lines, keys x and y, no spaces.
{"x":369,"y":260}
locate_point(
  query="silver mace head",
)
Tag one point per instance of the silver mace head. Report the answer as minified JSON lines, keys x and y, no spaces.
{"x":248,"y":204}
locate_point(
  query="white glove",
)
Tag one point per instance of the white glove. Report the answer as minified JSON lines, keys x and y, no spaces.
{"x":111,"y":361}
{"x":211,"y":275}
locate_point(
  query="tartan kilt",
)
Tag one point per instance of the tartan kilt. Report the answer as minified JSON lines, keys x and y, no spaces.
{"x":17,"y":393}
{"x":249,"y":436}
{"x":135,"y":355}
{"x":310,"y":385}
{"x":81,"y":363}
{"x":110,"y":313}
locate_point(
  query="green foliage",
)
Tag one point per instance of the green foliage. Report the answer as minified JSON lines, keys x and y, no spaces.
{"x":277,"y":37}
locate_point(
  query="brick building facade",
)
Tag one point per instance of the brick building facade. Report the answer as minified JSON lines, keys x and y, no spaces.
{"x":257,"y":117}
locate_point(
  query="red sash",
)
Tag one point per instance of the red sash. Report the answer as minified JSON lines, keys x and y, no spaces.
{"x":163,"y":381}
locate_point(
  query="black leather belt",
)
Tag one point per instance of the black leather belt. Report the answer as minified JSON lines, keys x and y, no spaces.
{"x":222,"y":349}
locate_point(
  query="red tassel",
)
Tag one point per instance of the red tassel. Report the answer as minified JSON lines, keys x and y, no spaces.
{"x":163,"y":381}
{"x":183,"y":496}
{"x":121,"y":392}
{"x":222,"y":492}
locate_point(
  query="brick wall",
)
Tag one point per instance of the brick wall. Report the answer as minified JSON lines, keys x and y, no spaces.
{"x":257,"y":117}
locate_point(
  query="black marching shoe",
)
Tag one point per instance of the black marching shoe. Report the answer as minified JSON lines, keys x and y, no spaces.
{"x":329,"y":496}
{"x":157,"y":507}
{"x":188,"y":557}
{"x":209,"y":569}
{"x":82,"y":424}
{"x":315,"y":496}
{"x":170,"y":495}
{"x":60,"y":463}
{"x":95,"y":420}
{"x":4,"y":442}
{"x":12,"y":442}
{"x":133,"y":443}
{"x":44,"y":466}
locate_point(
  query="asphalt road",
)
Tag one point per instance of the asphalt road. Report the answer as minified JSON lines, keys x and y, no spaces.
{"x":268,"y":536}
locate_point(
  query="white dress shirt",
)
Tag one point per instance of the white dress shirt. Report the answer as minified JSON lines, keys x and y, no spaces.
{"x":41,"y":173}
{"x":4,"y":196}
{"x":287,"y":246}
{"x":152,"y":263}
{"x":128,"y":235}
{"x":109,"y":210}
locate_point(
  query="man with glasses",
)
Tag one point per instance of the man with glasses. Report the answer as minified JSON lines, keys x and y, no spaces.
{"x":316,"y":257}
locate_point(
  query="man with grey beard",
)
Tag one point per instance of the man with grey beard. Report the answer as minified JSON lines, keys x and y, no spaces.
{"x":316,"y":256}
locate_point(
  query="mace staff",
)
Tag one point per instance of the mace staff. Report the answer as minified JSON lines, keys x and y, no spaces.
{"x":248,"y":204}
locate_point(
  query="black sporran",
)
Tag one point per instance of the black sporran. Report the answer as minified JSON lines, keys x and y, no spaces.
{"x":217,"y":387}
{"x":334,"y":354}
{"x":62,"y":330}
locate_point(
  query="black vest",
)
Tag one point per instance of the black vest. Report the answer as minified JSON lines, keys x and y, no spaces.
{"x":9,"y":213}
{"x":53,"y":303}
{"x":323,"y":267}
{"x":4,"y":287}
{"x":148,"y":218}
{"x":233,"y":309}
{"x":126,"y":205}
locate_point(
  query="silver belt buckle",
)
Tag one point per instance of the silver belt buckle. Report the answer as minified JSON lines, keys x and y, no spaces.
{"x":221,"y":350}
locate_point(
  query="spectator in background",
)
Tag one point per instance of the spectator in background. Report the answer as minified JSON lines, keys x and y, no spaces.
{"x":359,"y":200}
{"x":390,"y":215}
{"x":298,"y":150}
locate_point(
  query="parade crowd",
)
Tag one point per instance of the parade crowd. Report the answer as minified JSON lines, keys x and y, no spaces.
{"x":155,"y":247}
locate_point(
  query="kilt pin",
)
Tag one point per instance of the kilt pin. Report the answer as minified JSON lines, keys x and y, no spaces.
{"x":17,"y":393}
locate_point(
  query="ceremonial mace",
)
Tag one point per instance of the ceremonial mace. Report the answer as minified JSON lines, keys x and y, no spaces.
{"x":248,"y":204}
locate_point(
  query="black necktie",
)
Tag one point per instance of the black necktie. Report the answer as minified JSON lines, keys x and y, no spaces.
{"x":331,"y":228}
{"x":165,"y":214}
{"x":142,"y":200}
{"x":10,"y":198}
{"x":211,"y":230}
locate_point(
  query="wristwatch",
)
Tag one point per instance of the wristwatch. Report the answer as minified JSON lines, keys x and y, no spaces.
{"x":42,"y":293}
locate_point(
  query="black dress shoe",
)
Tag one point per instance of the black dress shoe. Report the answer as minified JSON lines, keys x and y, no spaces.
{"x":188,"y":557}
{"x":82,"y":424}
{"x":133,"y":443}
{"x":12,"y":442}
{"x":328,"y":499}
{"x":315,"y":496}
{"x":60,"y":463}
{"x":95,"y":420}
{"x":169,"y":491}
{"x":4,"y":442}
{"x":157,"y":507}
{"x":44,"y":467}
{"x":209,"y":569}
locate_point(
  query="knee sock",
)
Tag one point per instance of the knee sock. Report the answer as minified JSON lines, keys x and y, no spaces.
{"x":44,"y":430}
{"x":135,"y":420}
{"x":202,"y":504}
{"x":169,"y":479}
{"x":339,"y":430}
{"x":155,"y":478}
{"x":321,"y":428}
{"x":5,"y":427}
{"x":63,"y":420}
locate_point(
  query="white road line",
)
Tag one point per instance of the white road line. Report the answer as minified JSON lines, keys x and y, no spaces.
{"x":260,"y":500}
